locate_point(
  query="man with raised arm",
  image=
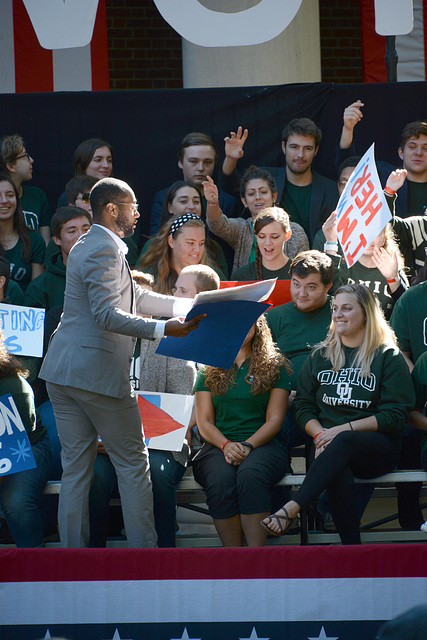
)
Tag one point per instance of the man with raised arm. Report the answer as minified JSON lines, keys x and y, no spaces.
{"x":412,"y":151}
{"x":305,"y":195}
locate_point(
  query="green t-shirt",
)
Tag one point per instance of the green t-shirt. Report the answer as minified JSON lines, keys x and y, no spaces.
{"x":248,"y":272}
{"x":417,"y":197}
{"x":337,"y":397}
{"x":296,"y":332}
{"x":409,"y":320}
{"x":296,"y":202}
{"x":239,"y":413}
{"x":21,"y":271}
{"x":35,"y":207}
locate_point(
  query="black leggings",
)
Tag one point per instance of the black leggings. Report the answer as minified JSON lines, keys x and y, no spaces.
{"x":364,"y":454}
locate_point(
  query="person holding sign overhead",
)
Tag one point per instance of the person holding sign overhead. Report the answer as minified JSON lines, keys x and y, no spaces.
{"x":21,"y":491}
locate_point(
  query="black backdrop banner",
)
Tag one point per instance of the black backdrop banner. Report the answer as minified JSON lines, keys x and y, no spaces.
{"x":145,"y":127}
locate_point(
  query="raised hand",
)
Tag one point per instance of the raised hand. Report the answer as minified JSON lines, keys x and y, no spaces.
{"x":387,"y":264}
{"x":234,"y":143}
{"x":353,"y":114}
{"x":329,"y":228}
{"x":210,"y":190}
{"x":396,"y":179}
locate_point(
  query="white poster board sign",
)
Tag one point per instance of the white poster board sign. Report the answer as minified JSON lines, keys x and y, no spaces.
{"x":22,"y":329}
{"x":362,"y":210}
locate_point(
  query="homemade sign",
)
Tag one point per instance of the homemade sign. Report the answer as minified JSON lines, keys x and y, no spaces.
{"x":15,"y":448}
{"x":362,"y":210}
{"x":22,"y":329}
{"x":165,"y":417}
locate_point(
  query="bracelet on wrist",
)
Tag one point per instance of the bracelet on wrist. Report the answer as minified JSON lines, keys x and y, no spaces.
{"x":330,"y":246}
{"x":389,"y":190}
{"x":224,"y":443}
{"x":248,"y":444}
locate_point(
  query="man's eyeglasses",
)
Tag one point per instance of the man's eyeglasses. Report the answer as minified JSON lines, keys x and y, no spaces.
{"x":24,"y":155}
{"x":84,"y":196}
{"x":134,"y":205}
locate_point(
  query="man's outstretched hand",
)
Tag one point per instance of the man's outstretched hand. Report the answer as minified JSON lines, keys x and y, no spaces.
{"x":180,"y":328}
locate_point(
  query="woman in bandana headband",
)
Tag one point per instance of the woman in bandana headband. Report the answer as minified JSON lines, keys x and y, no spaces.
{"x":179,"y":243}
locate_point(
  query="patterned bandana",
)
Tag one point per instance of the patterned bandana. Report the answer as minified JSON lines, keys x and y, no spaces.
{"x":176,"y":224}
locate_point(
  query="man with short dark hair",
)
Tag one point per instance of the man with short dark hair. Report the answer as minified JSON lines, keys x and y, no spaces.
{"x":197,"y":157}
{"x":87,"y":367}
{"x":306,"y":196}
{"x":47,"y":290}
{"x":298,"y":325}
{"x":17,"y":162}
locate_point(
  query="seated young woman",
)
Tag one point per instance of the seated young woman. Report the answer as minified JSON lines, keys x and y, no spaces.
{"x":179,"y":243}
{"x":258,"y":191}
{"x":24,"y":248}
{"x":353,"y":396}
{"x":20,"y":492}
{"x":239,"y":413}
{"x":183,"y":197}
{"x":272,"y":231}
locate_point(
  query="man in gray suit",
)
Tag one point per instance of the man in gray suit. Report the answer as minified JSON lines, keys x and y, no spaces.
{"x":87,"y":367}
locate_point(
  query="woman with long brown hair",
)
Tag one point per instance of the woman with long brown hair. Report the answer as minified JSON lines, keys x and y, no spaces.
{"x":239,"y":412}
{"x":179,"y":243}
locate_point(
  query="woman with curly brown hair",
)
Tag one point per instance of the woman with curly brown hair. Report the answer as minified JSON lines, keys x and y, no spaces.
{"x":239,"y":412}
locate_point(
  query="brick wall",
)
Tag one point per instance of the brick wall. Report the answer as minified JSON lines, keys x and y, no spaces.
{"x":145,"y":52}
{"x":340,"y":40}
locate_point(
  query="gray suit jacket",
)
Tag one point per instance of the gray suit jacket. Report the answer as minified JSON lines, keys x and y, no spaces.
{"x":93,"y":346}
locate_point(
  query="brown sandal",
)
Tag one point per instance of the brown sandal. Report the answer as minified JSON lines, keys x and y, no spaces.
{"x":278,"y":520}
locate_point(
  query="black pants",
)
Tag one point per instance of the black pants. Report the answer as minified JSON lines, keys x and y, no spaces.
{"x":364,"y":454}
{"x":243,"y":489}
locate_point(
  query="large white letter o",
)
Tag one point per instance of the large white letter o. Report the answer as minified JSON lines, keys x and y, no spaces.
{"x":208,"y":28}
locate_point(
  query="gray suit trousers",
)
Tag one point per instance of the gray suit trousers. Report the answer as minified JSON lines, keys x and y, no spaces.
{"x":80,"y":416}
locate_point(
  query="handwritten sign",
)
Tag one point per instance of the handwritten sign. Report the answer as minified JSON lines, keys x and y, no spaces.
{"x":15,"y":448}
{"x":22,"y":329}
{"x":362,"y":210}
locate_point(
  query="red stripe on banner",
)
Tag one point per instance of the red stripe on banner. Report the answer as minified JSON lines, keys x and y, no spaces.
{"x":99,"y":51}
{"x":377,"y":561}
{"x":33,"y":64}
{"x":373,"y":45}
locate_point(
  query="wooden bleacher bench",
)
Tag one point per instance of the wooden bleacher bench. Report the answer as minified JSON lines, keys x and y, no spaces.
{"x":190,"y":494}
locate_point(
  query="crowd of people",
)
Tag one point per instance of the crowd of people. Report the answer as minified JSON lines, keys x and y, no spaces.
{"x":341,"y":366}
